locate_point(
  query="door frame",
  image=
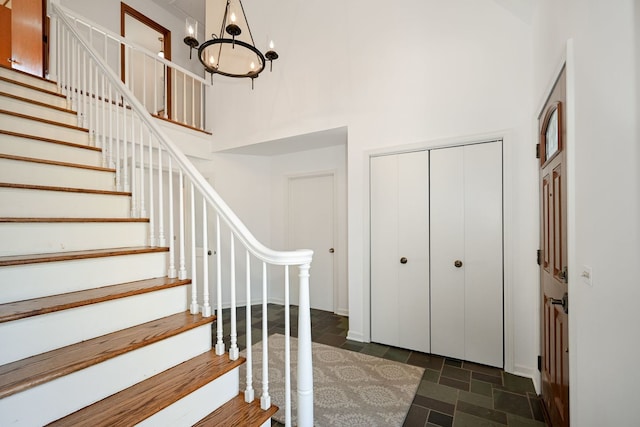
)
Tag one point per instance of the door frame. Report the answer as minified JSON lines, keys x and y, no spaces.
{"x":567,"y":61}
{"x":336,"y":243}
{"x":508,"y":177}
{"x":125,"y":9}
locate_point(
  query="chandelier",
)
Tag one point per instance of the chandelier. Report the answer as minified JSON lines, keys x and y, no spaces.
{"x":232,"y":52}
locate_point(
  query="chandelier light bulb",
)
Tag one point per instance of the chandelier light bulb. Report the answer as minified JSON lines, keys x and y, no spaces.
{"x":233,"y":17}
{"x":252,"y":66}
{"x":190,"y":30}
{"x":212,"y":60}
{"x":271,"y":45}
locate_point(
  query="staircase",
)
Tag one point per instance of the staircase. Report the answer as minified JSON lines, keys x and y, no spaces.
{"x":92,"y":330}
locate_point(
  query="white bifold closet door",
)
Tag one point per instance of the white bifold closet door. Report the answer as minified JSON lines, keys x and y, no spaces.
{"x":400,"y":250}
{"x":466,"y":253}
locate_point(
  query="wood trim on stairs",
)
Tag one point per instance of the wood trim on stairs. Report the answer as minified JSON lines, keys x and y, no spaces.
{"x":55,"y":163}
{"x":28,"y":86}
{"x":237,"y":412}
{"x":140,"y":401}
{"x":64,"y":189}
{"x":38,"y":103}
{"x":50,"y":304}
{"x":28,"y":74}
{"x":41,"y":368}
{"x":45,"y":121}
{"x":53,"y":141}
{"x":76,"y":255}
{"x":70,"y":220}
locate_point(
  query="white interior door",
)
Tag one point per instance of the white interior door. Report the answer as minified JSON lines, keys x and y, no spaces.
{"x":466,"y":226}
{"x":400,"y":250}
{"x":311,"y":226}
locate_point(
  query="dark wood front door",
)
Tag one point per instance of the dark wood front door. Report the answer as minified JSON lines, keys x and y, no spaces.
{"x":553,"y":265}
{"x":27,"y":41}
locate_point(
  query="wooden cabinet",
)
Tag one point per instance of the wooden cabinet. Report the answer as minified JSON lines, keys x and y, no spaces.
{"x":442,"y":211}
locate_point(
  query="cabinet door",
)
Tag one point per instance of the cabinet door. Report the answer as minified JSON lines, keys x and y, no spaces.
{"x":466,"y":226}
{"x":400,"y":250}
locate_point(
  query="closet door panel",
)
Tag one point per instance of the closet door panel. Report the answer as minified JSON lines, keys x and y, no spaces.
{"x":413,"y":244}
{"x":385,"y":313}
{"x":483,"y":253}
{"x":400,"y":229}
{"x":447,"y":246}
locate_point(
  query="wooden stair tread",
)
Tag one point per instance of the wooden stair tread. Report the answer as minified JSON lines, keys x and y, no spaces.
{"x":63,"y":189}
{"x":37,"y":306}
{"x":144,"y":399}
{"x":39,"y":119}
{"x":26,"y":373}
{"x":27,"y":85}
{"x":76,"y":255}
{"x":50,"y":140}
{"x":38,"y":103}
{"x":237,"y":412}
{"x":70,"y":220}
{"x":55,"y":163}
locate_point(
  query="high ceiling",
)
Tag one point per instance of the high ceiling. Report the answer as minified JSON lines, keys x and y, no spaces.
{"x":184,"y":8}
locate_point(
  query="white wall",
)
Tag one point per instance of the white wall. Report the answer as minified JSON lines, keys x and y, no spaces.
{"x":604,"y":211}
{"x":415,"y":72}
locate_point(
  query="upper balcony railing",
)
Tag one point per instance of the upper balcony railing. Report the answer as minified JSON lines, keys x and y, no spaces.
{"x":184,"y":211}
{"x":165,"y":89}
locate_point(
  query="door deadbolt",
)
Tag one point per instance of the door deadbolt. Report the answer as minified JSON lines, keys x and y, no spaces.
{"x":457,"y":263}
{"x":564,"y":302}
{"x":403,"y":260}
{"x":331,"y":250}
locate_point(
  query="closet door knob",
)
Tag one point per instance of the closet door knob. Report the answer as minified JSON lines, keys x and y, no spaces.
{"x":403,"y":260}
{"x":457,"y":263}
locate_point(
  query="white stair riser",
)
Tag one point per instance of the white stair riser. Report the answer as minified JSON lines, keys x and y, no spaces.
{"x":27,"y":147}
{"x":18,"y":202}
{"x":30,"y":80}
{"x":28,"y":108}
{"x":86,"y":322}
{"x":21,"y":282}
{"x":46,"y":130}
{"x":36,"y":95}
{"x":24,"y":172}
{"x":40,"y":238}
{"x":47,"y":402}
{"x":197,"y":405}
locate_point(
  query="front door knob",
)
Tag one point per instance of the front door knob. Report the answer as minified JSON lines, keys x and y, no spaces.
{"x":403,"y":260}
{"x":331,"y":250}
{"x":457,"y":263}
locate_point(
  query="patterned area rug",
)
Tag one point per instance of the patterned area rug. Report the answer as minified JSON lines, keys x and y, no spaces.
{"x":350,"y":389}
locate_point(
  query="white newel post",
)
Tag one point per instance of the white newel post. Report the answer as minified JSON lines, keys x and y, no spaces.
{"x":305,"y":365}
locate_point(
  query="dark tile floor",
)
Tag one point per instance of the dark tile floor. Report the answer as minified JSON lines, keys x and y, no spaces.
{"x":451,"y":392}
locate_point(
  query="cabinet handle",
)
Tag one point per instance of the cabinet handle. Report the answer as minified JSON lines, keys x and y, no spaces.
{"x":403,"y":260}
{"x":457,"y":263}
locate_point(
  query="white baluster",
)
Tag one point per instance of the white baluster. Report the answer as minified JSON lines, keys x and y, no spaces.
{"x":193,"y":102}
{"x":172,"y":250}
{"x":155,"y":86}
{"x":249,"y":393}
{"x":233,"y":349}
{"x":265,"y":399}
{"x":152,"y":213}
{"x":184,"y":98}
{"x":219,"y":334}
{"x":134,"y":192}
{"x":194,"y":275}
{"x":142,"y":213}
{"x":162,"y":241}
{"x":125,"y":146}
{"x":202,"y":93}
{"x":305,"y":366}
{"x":287,"y":351}
{"x":118,"y":170}
{"x":206,"y":307}
{"x":182,"y":270}
{"x":144,"y":81}
{"x":165,"y":89}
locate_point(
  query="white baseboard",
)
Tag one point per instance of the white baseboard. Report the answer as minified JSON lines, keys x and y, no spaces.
{"x":528,"y":372}
{"x":355,"y":336}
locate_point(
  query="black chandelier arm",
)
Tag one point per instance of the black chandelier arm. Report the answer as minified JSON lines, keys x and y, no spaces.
{"x":247,"y":22}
